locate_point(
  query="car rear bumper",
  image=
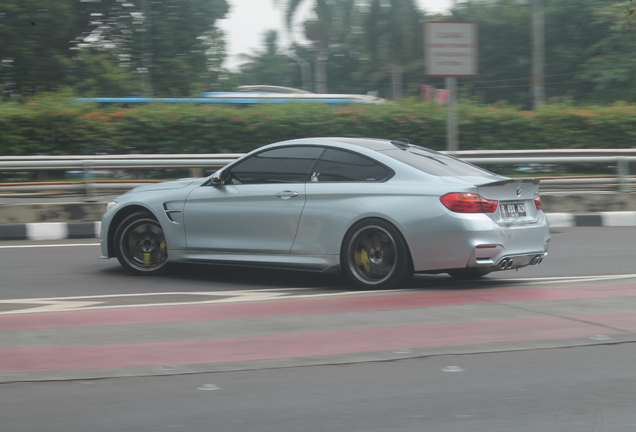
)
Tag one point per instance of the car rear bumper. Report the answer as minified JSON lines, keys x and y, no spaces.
{"x":476,"y":241}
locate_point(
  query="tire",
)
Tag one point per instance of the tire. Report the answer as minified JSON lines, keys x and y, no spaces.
{"x":374,"y":255}
{"x":140,"y":245}
{"x":468,"y":273}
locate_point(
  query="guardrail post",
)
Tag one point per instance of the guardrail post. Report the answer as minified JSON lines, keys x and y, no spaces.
{"x":88,"y":180}
{"x":623,"y":174}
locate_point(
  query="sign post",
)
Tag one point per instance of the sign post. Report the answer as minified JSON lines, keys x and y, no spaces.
{"x":450,"y":51}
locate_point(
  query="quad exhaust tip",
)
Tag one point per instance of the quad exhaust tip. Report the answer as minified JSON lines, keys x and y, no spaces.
{"x":537,"y":260}
{"x":506,"y":264}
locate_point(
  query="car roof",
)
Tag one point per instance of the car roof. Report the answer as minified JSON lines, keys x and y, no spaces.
{"x":369,"y":143}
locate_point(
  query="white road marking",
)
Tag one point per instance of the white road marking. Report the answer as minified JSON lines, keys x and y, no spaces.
{"x":95,"y":302}
{"x":48,"y":306}
{"x":67,"y":304}
{"x":564,"y":279}
{"x":48,"y":246}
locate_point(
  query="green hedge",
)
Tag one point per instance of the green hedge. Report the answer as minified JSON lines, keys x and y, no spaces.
{"x":55,"y":125}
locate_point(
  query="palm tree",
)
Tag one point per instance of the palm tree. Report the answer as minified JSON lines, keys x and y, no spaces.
{"x":394,"y":24}
{"x":267,"y":66}
{"x":317,"y":31}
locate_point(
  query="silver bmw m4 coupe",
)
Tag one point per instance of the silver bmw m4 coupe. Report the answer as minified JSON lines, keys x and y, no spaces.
{"x":376,"y":210}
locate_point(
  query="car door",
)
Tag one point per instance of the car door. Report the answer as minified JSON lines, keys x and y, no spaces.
{"x":343,"y":184}
{"x":258,"y":208}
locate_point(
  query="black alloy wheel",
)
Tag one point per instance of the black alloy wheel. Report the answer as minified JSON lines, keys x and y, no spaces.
{"x":374,"y":255}
{"x":140,"y":245}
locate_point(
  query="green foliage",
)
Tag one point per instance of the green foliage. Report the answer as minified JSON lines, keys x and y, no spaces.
{"x":57,"y":125}
{"x":611,"y":70}
{"x":97,"y":74}
{"x":269,"y":66}
{"x":34,"y":41}
{"x":110,"y":47}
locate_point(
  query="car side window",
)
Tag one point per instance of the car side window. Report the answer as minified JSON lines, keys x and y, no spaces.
{"x":343,"y":166}
{"x":280,"y":165}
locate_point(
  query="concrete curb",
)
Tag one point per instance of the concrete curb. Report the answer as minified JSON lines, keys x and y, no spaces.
{"x":77,"y":230}
{"x":605,"y":219}
{"x":50,"y":231}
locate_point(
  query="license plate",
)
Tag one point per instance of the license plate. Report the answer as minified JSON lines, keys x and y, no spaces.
{"x":513,"y":210}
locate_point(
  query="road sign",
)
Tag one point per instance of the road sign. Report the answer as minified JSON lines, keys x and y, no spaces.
{"x":450,"y":49}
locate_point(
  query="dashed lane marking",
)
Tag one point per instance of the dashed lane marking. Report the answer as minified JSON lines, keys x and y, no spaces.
{"x":66,"y":304}
{"x":47,"y":246}
{"x":566,"y":279}
{"x":94,"y":302}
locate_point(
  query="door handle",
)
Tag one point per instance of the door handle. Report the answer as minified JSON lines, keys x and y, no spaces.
{"x":287,"y":194}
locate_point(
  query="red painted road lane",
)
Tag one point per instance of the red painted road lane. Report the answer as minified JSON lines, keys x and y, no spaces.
{"x":301,"y":344}
{"x":239,"y":310}
{"x":280,"y":307}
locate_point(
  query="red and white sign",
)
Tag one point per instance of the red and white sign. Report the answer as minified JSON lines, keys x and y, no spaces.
{"x":450,"y":49}
{"x":427,"y":92}
{"x":442,"y":96}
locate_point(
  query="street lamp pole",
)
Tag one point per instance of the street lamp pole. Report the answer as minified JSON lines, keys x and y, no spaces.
{"x":538,"y":53}
{"x":305,"y":70}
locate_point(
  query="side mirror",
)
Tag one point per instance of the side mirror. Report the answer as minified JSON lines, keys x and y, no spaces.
{"x":220,"y":178}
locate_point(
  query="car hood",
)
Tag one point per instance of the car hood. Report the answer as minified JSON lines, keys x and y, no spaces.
{"x":176,"y":184}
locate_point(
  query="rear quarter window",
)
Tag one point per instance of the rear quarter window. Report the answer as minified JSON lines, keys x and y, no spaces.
{"x":343,"y":166}
{"x":436,"y":164}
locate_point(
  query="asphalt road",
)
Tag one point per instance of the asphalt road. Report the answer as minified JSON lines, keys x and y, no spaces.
{"x":71,"y":268}
{"x":86,"y":347}
{"x":587,"y":389}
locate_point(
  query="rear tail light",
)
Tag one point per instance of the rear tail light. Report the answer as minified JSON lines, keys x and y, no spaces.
{"x":537,"y":202}
{"x":468,"y":203}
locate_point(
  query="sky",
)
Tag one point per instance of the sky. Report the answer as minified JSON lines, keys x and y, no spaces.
{"x":249,"y":19}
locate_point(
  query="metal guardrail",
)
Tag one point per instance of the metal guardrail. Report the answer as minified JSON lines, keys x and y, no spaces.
{"x":621,"y":159}
{"x":34,"y":163}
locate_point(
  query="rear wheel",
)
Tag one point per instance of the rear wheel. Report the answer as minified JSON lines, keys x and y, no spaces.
{"x":374,"y":255}
{"x":140,"y":245}
{"x":468,"y":273}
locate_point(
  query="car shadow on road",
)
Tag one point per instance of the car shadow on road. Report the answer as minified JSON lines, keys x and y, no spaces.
{"x":217,"y":277}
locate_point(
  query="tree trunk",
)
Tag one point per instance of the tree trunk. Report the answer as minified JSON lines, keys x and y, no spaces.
{"x":321,"y":70}
{"x":396,"y":79}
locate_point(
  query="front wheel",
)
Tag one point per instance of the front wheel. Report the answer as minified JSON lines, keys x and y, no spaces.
{"x":374,"y":255}
{"x":140,"y":245}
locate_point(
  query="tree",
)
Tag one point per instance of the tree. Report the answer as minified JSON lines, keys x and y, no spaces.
{"x":574,"y":35}
{"x":504,"y":49}
{"x":97,"y":74}
{"x":35,"y":42}
{"x":611,"y":71}
{"x":166,"y":42}
{"x":395,"y":26}
{"x":171,"y":45}
{"x":319,"y":32}
{"x":268,"y":66}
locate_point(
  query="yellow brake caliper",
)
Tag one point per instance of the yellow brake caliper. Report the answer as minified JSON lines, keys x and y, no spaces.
{"x":362,"y":259}
{"x":162,"y":250}
{"x":160,"y":254}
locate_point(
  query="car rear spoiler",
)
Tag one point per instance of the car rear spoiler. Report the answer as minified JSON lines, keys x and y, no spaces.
{"x":508,"y":181}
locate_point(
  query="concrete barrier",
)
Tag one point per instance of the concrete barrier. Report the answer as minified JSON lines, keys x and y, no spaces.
{"x":63,"y":220}
{"x":20,"y":213}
